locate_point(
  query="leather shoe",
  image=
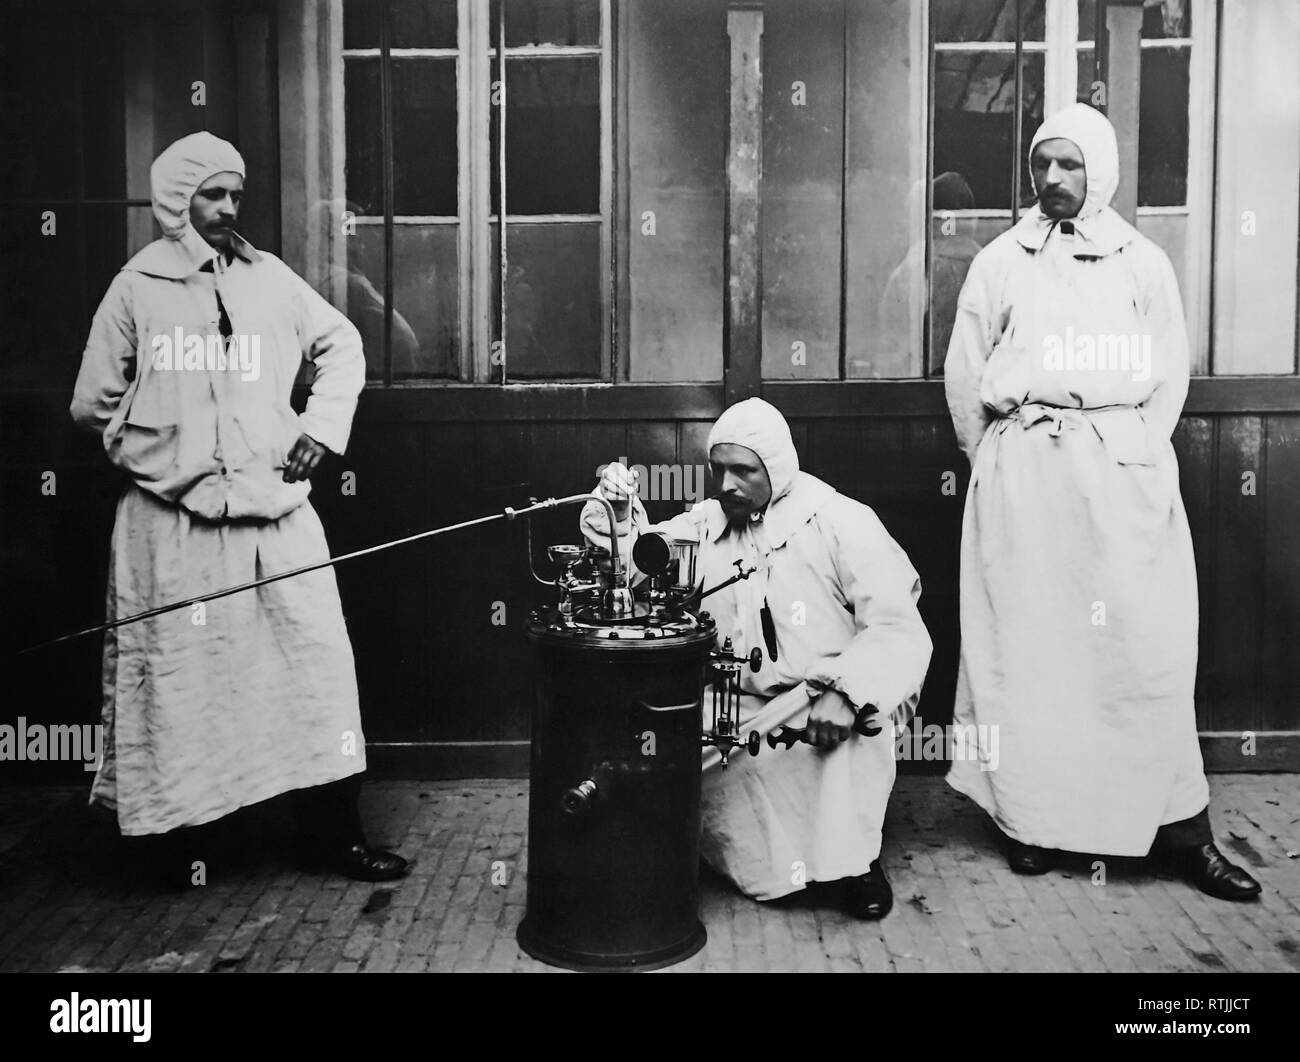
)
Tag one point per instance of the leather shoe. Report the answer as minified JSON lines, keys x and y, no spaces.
{"x":363,"y":863}
{"x":1028,"y":858}
{"x":869,"y":895}
{"x":1206,"y":868}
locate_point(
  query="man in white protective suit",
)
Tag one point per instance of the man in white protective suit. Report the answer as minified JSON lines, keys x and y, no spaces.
{"x":832,"y":605}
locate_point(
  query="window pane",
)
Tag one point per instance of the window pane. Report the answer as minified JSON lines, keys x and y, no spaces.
{"x":363,"y":153}
{"x":553,"y":300}
{"x":1160,"y":21}
{"x":549,"y":22}
{"x":426,"y":314}
{"x":422,"y":23}
{"x":955,"y":243}
{"x":361,"y":23}
{"x":1087,"y":76}
{"x":424,"y":136}
{"x":365,"y":293}
{"x":552,"y":137}
{"x":1162,"y":127}
{"x":1169,"y":18}
{"x":985,"y":20}
{"x":974,"y":122}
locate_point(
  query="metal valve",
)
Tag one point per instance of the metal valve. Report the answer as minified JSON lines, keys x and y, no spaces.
{"x":724,"y":734}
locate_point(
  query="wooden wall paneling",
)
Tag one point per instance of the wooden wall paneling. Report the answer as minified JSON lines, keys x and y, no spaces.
{"x":1194,"y":444}
{"x":650,"y":444}
{"x":677,"y":142}
{"x":934,"y":547}
{"x":692,"y":447}
{"x":1280,"y":489}
{"x":457,"y":590}
{"x":803,"y":174}
{"x":380,"y":593}
{"x":1240,"y":575}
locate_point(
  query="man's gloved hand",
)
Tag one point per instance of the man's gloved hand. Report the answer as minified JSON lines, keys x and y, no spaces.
{"x":302,"y":459}
{"x":831,"y":720}
{"x":618,"y":485}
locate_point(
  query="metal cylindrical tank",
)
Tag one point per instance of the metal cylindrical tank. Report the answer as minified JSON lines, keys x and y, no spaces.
{"x":614,"y":801}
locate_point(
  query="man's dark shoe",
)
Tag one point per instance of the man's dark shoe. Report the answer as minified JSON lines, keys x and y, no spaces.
{"x":869,"y":896}
{"x":1028,"y":858}
{"x":363,"y":863}
{"x":1207,"y":869}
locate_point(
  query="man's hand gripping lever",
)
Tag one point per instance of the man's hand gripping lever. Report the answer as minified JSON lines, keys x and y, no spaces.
{"x":788,"y":736}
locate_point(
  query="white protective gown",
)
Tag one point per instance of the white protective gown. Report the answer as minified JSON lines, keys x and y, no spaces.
{"x":213,"y":709}
{"x":1078,"y":584}
{"x":843,"y":599}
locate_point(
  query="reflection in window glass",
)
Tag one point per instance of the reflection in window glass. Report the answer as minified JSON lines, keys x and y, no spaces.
{"x":426,"y":315}
{"x":553,"y":304}
{"x":985,"y":20}
{"x":1160,"y":21}
{"x":364,"y":284}
{"x":974,"y":121}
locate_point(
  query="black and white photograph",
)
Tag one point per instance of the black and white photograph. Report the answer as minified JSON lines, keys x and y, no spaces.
{"x":700,"y":486}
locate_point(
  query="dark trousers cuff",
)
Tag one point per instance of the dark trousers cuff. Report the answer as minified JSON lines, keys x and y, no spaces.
{"x":328,"y":815}
{"x":1186,"y":833}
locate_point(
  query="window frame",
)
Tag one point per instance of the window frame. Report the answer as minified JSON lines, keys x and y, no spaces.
{"x":1062,"y":48}
{"x":480,"y":79}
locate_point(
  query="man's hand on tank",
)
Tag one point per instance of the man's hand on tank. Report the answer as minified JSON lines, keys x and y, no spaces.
{"x":303,"y":459}
{"x":618,"y":485}
{"x":831,"y":720}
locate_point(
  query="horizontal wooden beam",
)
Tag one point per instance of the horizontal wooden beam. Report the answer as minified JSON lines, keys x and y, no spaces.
{"x":528,"y":402}
{"x":451,"y":403}
{"x":1271,"y":751}
{"x":448,"y":759}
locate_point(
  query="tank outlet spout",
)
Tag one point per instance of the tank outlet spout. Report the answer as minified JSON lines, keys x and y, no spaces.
{"x":578,"y":800}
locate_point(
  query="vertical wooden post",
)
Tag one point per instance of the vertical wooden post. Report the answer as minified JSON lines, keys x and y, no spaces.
{"x":309,"y":40}
{"x":1123,"y":95}
{"x":743,"y":340}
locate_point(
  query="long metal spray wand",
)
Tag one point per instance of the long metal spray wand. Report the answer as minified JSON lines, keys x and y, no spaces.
{"x":507,"y":514}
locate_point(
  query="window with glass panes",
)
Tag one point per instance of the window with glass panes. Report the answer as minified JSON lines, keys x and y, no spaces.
{"x":459,"y":112}
{"x":999,"y":66}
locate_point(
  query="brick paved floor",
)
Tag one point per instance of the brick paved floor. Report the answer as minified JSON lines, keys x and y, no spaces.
{"x":69,"y":901}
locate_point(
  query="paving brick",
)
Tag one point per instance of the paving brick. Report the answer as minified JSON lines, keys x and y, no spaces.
{"x":957,"y":905}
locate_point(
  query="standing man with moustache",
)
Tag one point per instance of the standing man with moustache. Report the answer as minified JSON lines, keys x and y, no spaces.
{"x":252,"y":695}
{"x":1078,"y":584}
